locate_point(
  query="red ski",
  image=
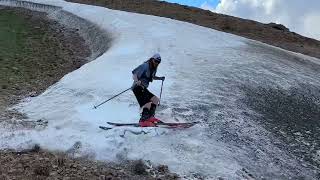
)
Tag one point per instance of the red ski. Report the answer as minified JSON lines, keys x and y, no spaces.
{"x":153,"y":122}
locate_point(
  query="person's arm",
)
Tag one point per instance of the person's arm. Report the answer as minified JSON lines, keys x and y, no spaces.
{"x":136,"y":80}
{"x":137,"y":73}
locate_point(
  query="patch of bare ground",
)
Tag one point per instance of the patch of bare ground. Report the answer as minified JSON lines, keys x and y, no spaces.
{"x":40,"y":164}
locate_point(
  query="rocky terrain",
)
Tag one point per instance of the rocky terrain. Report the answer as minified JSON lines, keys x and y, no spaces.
{"x":39,"y":164}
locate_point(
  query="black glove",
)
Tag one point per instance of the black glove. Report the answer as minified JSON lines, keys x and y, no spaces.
{"x":162,"y":78}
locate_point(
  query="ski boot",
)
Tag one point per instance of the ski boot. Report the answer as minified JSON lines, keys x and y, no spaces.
{"x":147,"y":119}
{"x":153,"y":110}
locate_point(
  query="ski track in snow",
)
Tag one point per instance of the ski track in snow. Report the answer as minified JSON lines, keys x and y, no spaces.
{"x":205,"y":70}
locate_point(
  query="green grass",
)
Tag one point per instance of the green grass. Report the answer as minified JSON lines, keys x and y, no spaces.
{"x":35,"y":52}
{"x":16,"y":36}
{"x":13,"y":29}
{"x":28,"y":52}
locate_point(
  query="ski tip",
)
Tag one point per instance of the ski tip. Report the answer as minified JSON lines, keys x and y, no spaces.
{"x":104,"y":128}
{"x":111,"y":123}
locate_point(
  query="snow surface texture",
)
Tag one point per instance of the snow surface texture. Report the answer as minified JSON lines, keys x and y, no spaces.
{"x":205,"y":70}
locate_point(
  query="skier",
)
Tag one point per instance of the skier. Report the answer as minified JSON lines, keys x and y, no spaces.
{"x":142,"y":76}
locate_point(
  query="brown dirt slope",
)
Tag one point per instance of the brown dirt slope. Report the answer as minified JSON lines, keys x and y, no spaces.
{"x":38,"y":164}
{"x":273,"y":34}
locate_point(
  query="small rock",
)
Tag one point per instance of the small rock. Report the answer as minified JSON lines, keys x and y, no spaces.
{"x":163,"y":169}
{"x":42,"y":171}
{"x":278,"y":27}
{"x":109,"y":177}
{"x":4,"y":86}
{"x":139,"y":167}
{"x":33,"y":94}
{"x":53,"y":173}
{"x":17,"y":88}
{"x":297,"y":133}
{"x":61,"y":161}
{"x":35,"y":148}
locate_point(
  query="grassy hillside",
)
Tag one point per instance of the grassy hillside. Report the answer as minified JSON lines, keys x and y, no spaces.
{"x":34,"y":53}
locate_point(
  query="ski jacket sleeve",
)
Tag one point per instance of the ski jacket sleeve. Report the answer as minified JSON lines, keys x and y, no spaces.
{"x":140,"y":70}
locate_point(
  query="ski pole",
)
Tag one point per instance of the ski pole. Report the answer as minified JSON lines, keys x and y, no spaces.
{"x":161,"y":92}
{"x":95,"y":107}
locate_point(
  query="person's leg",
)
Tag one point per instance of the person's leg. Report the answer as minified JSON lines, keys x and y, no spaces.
{"x":147,"y":105}
{"x":149,"y":99}
{"x":139,"y":92}
{"x":145,"y":114}
{"x":149,"y":108}
{"x":155,"y":100}
{"x":154,"y":104}
{"x":146,"y":111}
